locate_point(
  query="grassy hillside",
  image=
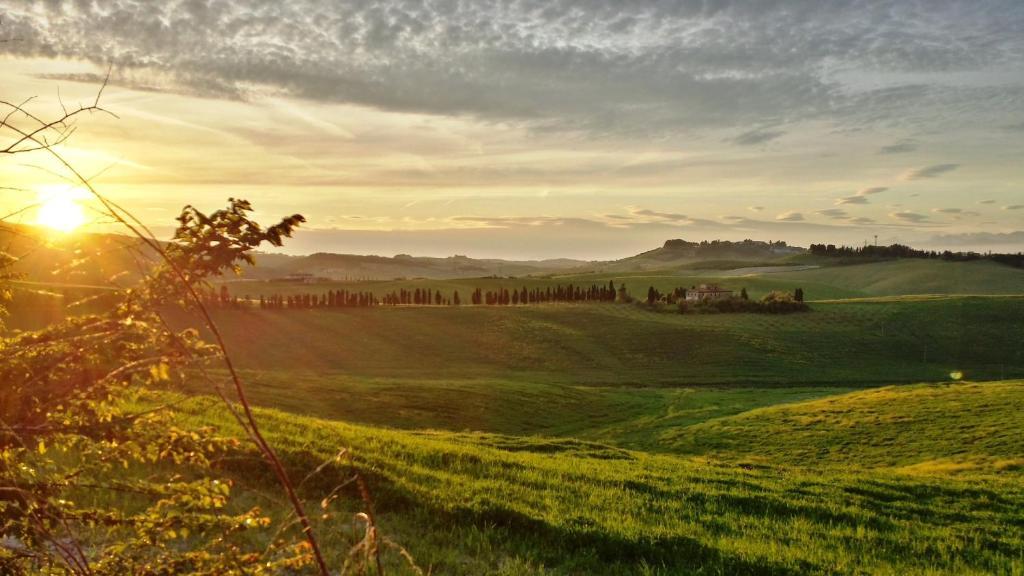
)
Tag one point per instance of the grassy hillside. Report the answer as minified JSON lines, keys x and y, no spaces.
{"x":479,"y":503}
{"x":912,"y":276}
{"x":921,"y":428}
{"x":625,"y":345}
{"x":634,"y":417}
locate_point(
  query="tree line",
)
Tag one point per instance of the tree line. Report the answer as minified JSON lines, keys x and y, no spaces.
{"x":341,"y":298}
{"x":903,"y":251}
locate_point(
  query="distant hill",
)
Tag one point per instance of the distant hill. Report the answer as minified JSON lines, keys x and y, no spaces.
{"x":682,"y":253}
{"x":358,"y":267}
{"x":77,"y":259}
{"x":718,"y":254}
{"x":98,"y":259}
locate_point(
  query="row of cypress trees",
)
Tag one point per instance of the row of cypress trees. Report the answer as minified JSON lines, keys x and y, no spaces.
{"x":425,"y":297}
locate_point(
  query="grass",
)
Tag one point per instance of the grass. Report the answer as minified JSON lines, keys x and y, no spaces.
{"x":923,"y":428}
{"x":633,"y":417}
{"x":470,"y":503}
{"x":612,"y":439}
{"x":836,"y":344}
{"x":914,"y":276}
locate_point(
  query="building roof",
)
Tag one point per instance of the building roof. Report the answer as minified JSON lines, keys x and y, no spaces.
{"x":709,"y":288}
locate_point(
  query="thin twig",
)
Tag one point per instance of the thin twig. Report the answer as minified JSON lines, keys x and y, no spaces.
{"x":249,"y":417}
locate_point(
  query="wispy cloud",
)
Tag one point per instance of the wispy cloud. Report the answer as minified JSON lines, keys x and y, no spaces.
{"x":754,"y":137}
{"x":900,"y":147}
{"x":933,"y":171}
{"x":790,"y":217}
{"x":911,"y":217}
{"x":1014,"y":207}
{"x":852,"y":200}
{"x":669,"y":216}
{"x":1015,"y":238}
{"x":872,"y":190}
{"x":834,"y":213}
{"x":524,"y":221}
{"x":638,"y":67}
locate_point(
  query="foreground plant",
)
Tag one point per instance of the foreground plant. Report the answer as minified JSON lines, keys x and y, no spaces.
{"x":67,"y":443}
{"x":88,"y":486}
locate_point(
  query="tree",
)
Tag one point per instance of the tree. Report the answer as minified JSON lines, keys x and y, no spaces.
{"x":622,"y":295}
{"x":798,"y":295}
{"x":743,"y":294}
{"x":67,"y":433}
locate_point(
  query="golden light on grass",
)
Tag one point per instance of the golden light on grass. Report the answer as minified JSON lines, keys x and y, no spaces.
{"x":60,"y":210}
{"x":956,"y":375}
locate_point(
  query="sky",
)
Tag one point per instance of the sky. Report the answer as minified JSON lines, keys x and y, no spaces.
{"x":539,"y":128}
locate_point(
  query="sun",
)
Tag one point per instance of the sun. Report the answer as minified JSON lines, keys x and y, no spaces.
{"x":60,"y":210}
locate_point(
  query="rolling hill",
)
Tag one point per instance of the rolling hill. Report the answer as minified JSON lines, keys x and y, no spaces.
{"x":618,"y":374}
{"x":923,"y":429}
{"x":464,"y":503}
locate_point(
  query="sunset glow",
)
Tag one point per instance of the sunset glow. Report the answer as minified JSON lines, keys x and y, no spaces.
{"x":61,"y":211}
{"x":599,"y":129}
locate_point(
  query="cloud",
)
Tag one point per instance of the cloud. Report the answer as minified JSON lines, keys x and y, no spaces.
{"x":872,"y":190}
{"x":986,"y":202}
{"x":900,"y":147}
{"x":754,"y":137}
{"x":1014,"y":207}
{"x":834,"y":213}
{"x":929,"y":171}
{"x":947,"y":210}
{"x":670,"y":216}
{"x":911,"y":217}
{"x":636,"y":67}
{"x":755,"y":208}
{"x":862,"y":220}
{"x":858,"y":199}
{"x":525,"y":221}
{"x":790,"y":217}
{"x":1015,"y":238}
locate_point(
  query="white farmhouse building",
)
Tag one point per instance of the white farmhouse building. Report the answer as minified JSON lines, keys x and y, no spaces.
{"x":708,"y":292}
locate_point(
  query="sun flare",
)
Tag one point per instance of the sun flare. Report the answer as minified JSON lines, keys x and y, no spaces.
{"x":60,"y":211}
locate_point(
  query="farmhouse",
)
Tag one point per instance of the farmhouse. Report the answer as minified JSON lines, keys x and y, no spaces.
{"x":708,"y":292}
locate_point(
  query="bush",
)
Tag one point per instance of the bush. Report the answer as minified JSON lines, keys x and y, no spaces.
{"x":773,"y":303}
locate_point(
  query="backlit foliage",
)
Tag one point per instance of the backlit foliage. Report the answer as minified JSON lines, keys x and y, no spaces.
{"x":89,"y":488}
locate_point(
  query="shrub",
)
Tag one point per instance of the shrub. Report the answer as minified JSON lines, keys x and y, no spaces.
{"x":773,"y":303}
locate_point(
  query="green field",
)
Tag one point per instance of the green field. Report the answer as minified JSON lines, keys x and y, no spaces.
{"x":472,"y":503}
{"x":618,"y":439}
{"x":854,"y":343}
